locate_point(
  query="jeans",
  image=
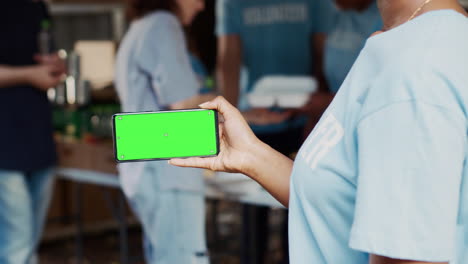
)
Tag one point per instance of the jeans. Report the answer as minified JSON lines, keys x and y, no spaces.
{"x":24,"y":200}
{"x":174,"y":227}
{"x":175,"y":232}
{"x":173,"y":220}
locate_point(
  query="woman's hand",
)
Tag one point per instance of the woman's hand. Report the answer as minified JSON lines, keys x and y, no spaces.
{"x":241,"y":151}
{"x":237,"y":141}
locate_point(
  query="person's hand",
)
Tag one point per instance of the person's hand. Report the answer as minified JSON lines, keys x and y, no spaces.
{"x":52,"y":59}
{"x":236,"y":141}
{"x":44,"y":76}
{"x":263,"y":116}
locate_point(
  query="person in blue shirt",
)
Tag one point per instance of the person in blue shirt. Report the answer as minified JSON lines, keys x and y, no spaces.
{"x":153,"y":72}
{"x":354,"y":21}
{"x":353,"y":24}
{"x":257,"y":38}
{"x":383,"y":178}
{"x":27,"y":154}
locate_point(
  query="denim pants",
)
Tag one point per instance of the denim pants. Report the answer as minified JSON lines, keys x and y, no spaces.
{"x":174,"y":231}
{"x":24,"y":200}
{"x":174,"y":226}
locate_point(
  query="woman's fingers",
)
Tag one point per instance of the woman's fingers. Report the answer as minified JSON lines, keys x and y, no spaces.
{"x":221,"y":105}
{"x":220,"y":130}
{"x":204,"y":163}
{"x":235,"y":137}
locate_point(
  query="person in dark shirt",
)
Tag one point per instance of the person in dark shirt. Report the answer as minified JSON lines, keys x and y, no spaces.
{"x":27,"y":151}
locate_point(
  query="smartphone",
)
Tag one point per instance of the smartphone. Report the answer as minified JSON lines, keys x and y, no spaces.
{"x":165,"y":134}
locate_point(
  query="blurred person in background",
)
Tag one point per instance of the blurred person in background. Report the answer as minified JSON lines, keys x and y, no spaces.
{"x":353,"y":23}
{"x":27,"y":154}
{"x":153,"y":72}
{"x":257,"y":38}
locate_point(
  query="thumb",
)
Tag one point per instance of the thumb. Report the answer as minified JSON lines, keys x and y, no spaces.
{"x":221,"y":105}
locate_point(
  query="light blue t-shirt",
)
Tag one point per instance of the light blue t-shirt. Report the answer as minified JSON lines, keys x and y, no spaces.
{"x":275,"y":35}
{"x":153,"y":71}
{"x":384,"y":171}
{"x":348,"y":35}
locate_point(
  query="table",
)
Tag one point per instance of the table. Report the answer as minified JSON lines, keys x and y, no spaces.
{"x":224,"y":186}
{"x":108,"y":180}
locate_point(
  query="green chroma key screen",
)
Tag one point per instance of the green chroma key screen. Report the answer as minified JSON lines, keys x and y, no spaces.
{"x":165,"y":135}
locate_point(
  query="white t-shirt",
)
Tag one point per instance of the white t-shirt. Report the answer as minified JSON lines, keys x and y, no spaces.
{"x":384,"y":171}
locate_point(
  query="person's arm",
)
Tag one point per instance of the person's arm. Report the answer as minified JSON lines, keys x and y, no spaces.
{"x":241,"y":151}
{"x":323,"y":17}
{"x":228,"y":66}
{"x":10,"y":76}
{"x":375,"y":259}
{"x":322,"y":22}
{"x":40,"y":76}
{"x":229,"y":56}
{"x":270,"y":169}
{"x":192,"y":102}
{"x":318,"y":50}
{"x":228,"y":70}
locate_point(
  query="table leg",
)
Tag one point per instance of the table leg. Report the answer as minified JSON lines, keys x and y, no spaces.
{"x":119,"y":213}
{"x":78,"y":222}
{"x":124,"y":254}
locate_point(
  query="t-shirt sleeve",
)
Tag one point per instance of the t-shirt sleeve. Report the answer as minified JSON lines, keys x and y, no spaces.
{"x":228,"y":18}
{"x":410,"y":162}
{"x":164,"y":57}
{"x":322,"y":16}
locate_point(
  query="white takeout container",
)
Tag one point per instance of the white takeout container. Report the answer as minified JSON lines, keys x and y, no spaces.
{"x":282,"y":91}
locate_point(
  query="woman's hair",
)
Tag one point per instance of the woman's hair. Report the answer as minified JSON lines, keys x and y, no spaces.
{"x":139,"y":8}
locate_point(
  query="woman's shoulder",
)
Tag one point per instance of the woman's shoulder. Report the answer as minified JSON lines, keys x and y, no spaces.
{"x":160,"y":19}
{"x":156,"y":31}
{"x":156,"y":27}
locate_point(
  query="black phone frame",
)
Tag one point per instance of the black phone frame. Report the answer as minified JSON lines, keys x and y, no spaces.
{"x":114,"y":137}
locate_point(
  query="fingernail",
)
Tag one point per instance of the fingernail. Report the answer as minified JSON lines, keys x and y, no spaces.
{"x":203,"y":104}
